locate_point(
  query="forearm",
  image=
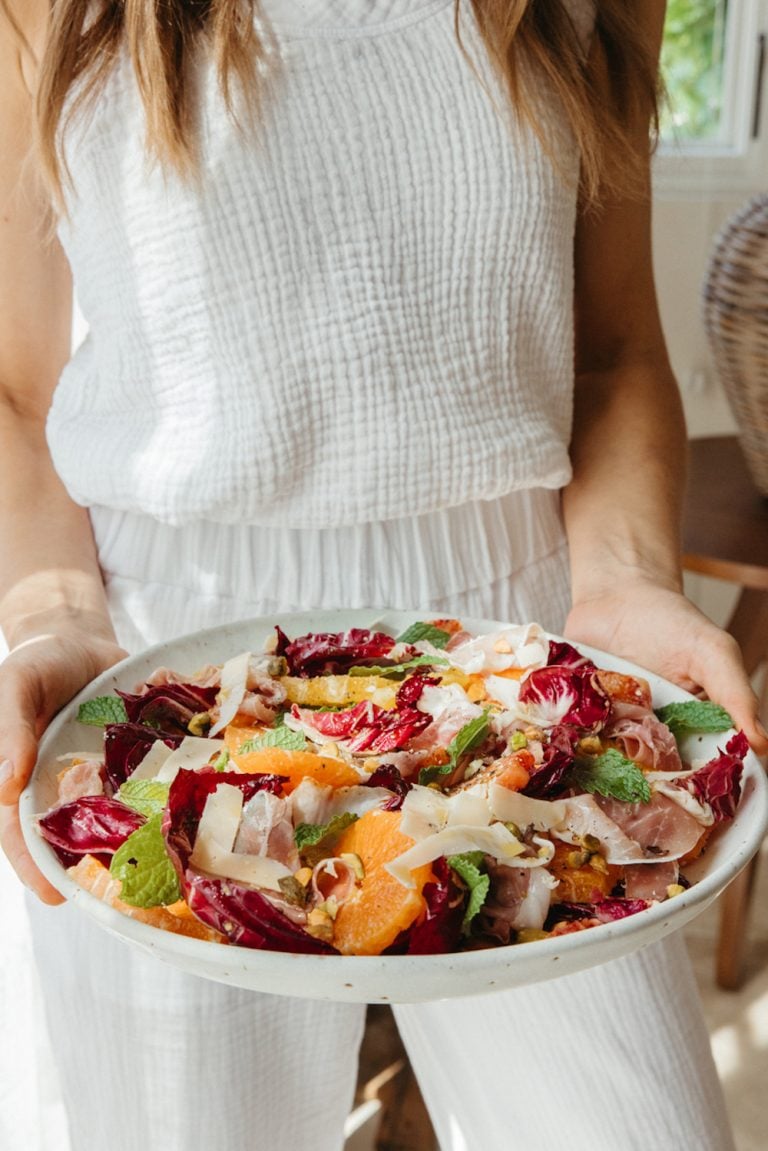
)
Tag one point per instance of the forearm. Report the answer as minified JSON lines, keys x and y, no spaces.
{"x":623,"y":507}
{"x":49,"y":574}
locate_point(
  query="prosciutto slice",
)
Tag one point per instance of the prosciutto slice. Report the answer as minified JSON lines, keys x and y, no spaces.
{"x":661,"y":828}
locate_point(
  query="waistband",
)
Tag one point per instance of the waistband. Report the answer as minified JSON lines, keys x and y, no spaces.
{"x":403,"y":562}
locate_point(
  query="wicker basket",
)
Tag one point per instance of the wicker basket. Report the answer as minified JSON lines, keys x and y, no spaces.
{"x":736,"y":322}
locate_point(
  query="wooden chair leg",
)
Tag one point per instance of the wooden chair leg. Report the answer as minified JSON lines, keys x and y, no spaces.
{"x":734,"y":918}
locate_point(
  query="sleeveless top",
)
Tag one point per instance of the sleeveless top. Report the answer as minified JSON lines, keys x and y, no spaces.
{"x":360,"y":310}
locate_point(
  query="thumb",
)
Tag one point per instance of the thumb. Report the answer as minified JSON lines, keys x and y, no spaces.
{"x":726,"y":682}
{"x":18,"y":755}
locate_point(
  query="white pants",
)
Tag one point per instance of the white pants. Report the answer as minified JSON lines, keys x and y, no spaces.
{"x":613,"y":1059}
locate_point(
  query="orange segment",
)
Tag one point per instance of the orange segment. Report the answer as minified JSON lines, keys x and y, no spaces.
{"x":380,"y":908}
{"x":297,"y":765}
{"x":91,"y":874}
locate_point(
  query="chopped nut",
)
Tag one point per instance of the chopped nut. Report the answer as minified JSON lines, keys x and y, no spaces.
{"x":476,"y":692}
{"x":598,"y":863}
{"x":577,"y":859}
{"x":303,"y":876}
{"x":674,"y":889}
{"x":530,"y":935}
{"x":590,"y":744}
{"x":331,"y":750}
{"x":354,"y":862}
{"x":503,"y":647}
{"x":590,"y":842}
{"x":199,"y":724}
{"x":533,"y":734}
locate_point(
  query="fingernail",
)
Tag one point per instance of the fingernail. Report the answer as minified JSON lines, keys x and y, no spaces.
{"x":6,"y":771}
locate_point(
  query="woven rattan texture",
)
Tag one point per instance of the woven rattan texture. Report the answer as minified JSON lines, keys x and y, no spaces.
{"x":736,"y":321}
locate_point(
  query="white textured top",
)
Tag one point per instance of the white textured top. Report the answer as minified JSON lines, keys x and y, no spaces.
{"x":361,"y":313}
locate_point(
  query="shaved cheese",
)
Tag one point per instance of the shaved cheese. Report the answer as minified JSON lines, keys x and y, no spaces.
{"x":234,"y":680}
{"x":215,"y":838}
{"x":513,"y":807}
{"x":496,"y":841}
{"x":152,"y":761}
{"x":193,"y":752}
{"x":524,"y":646}
{"x":424,"y":811}
{"x":220,"y":820}
{"x":468,"y":810}
{"x":504,"y":690}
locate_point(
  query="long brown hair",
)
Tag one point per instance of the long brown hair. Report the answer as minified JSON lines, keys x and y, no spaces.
{"x":603,"y":97}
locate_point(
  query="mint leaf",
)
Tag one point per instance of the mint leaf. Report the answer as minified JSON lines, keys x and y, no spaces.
{"x":281,"y":736}
{"x":142,"y":865}
{"x":147,"y":796}
{"x":612,"y":775}
{"x":423,"y":631}
{"x":467,"y":866}
{"x":102,"y":710}
{"x":468,"y":737}
{"x":398,"y":670}
{"x":310,"y":834}
{"x":222,"y":760}
{"x":694,"y":715}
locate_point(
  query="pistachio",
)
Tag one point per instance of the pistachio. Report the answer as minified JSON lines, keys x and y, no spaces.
{"x":590,"y":843}
{"x":199,"y":724}
{"x":530,"y":935}
{"x":674,"y":889}
{"x":303,"y":876}
{"x":354,"y":862}
{"x":577,"y":859}
{"x":598,"y":863}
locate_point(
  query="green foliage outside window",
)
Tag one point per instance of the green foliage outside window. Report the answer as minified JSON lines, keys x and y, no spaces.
{"x":692,"y":66}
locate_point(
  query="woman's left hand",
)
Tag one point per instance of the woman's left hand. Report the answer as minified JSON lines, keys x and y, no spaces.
{"x":659,"y":629}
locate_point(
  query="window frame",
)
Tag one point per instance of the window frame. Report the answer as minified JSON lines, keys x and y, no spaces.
{"x":737,"y":163}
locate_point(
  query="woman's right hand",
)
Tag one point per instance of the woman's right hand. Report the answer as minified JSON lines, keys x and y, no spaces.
{"x":37,"y":678}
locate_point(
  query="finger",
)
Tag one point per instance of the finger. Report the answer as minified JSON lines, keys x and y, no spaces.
{"x":21,"y":861}
{"x":18,"y":755}
{"x":720,"y":671}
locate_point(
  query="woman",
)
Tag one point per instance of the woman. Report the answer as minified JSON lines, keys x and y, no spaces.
{"x":327,"y":253}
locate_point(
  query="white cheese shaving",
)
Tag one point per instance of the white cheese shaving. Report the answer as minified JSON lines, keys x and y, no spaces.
{"x":152,"y":761}
{"x":234,"y":680}
{"x":192,"y":753}
{"x":512,"y":807}
{"x":215,"y":839}
{"x":496,"y":841}
{"x":523,"y":646}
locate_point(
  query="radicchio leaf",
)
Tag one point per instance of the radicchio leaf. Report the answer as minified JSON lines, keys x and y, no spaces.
{"x":439,"y":930}
{"x":566,"y":695}
{"x":93,"y":824}
{"x":169,"y":707}
{"x":126,"y":744}
{"x":326,"y":653}
{"x":366,"y":727}
{"x":718,"y":782}
{"x":389,"y":777}
{"x":566,"y":655}
{"x":559,"y":755}
{"x":604,"y":910}
{"x":247,"y":917}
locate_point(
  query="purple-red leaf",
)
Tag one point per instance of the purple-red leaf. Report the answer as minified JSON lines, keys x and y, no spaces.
{"x":718,"y":782}
{"x":92,"y":824}
{"x":559,"y":755}
{"x":326,"y":653}
{"x":247,"y":917}
{"x":566,"y":655}
{"x":566,"y":695}
{"x":169,"y":707}
{"x":126,"y":744}
{"x":389,"y":777}
{"x":366,"y":727}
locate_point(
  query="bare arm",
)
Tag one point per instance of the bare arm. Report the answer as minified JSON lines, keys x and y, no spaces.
{"x":53,"y":610}
{"x":623,"y":507}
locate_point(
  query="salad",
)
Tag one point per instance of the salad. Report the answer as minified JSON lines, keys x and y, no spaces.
{"x":360,"y":793}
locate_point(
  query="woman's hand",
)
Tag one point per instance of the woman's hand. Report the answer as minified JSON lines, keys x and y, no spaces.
{"x":37,"y":678}
{"x":658,"y":628}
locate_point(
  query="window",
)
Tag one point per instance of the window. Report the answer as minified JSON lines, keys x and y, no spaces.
{"x":714,"y":130}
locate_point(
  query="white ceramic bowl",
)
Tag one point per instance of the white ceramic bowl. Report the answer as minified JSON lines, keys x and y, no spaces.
{"x":393,"y":978}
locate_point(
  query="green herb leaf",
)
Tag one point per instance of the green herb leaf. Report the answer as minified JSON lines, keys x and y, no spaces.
{"x":468,"y":867}
{"x":315,"y":841}
{"x":399,"y":670}
{"x":147,"y":796}
{"x":694,"y":715}
{"x":142,"y":865}
{"x":468,"y":737}
{"x":281,"y":736}
{"x":425,"y":632}
{"x":103,"y":710}
{"x":612,"y":775}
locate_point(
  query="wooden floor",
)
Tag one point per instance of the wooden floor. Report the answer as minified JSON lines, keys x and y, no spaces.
{"x":385,"y":1073}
